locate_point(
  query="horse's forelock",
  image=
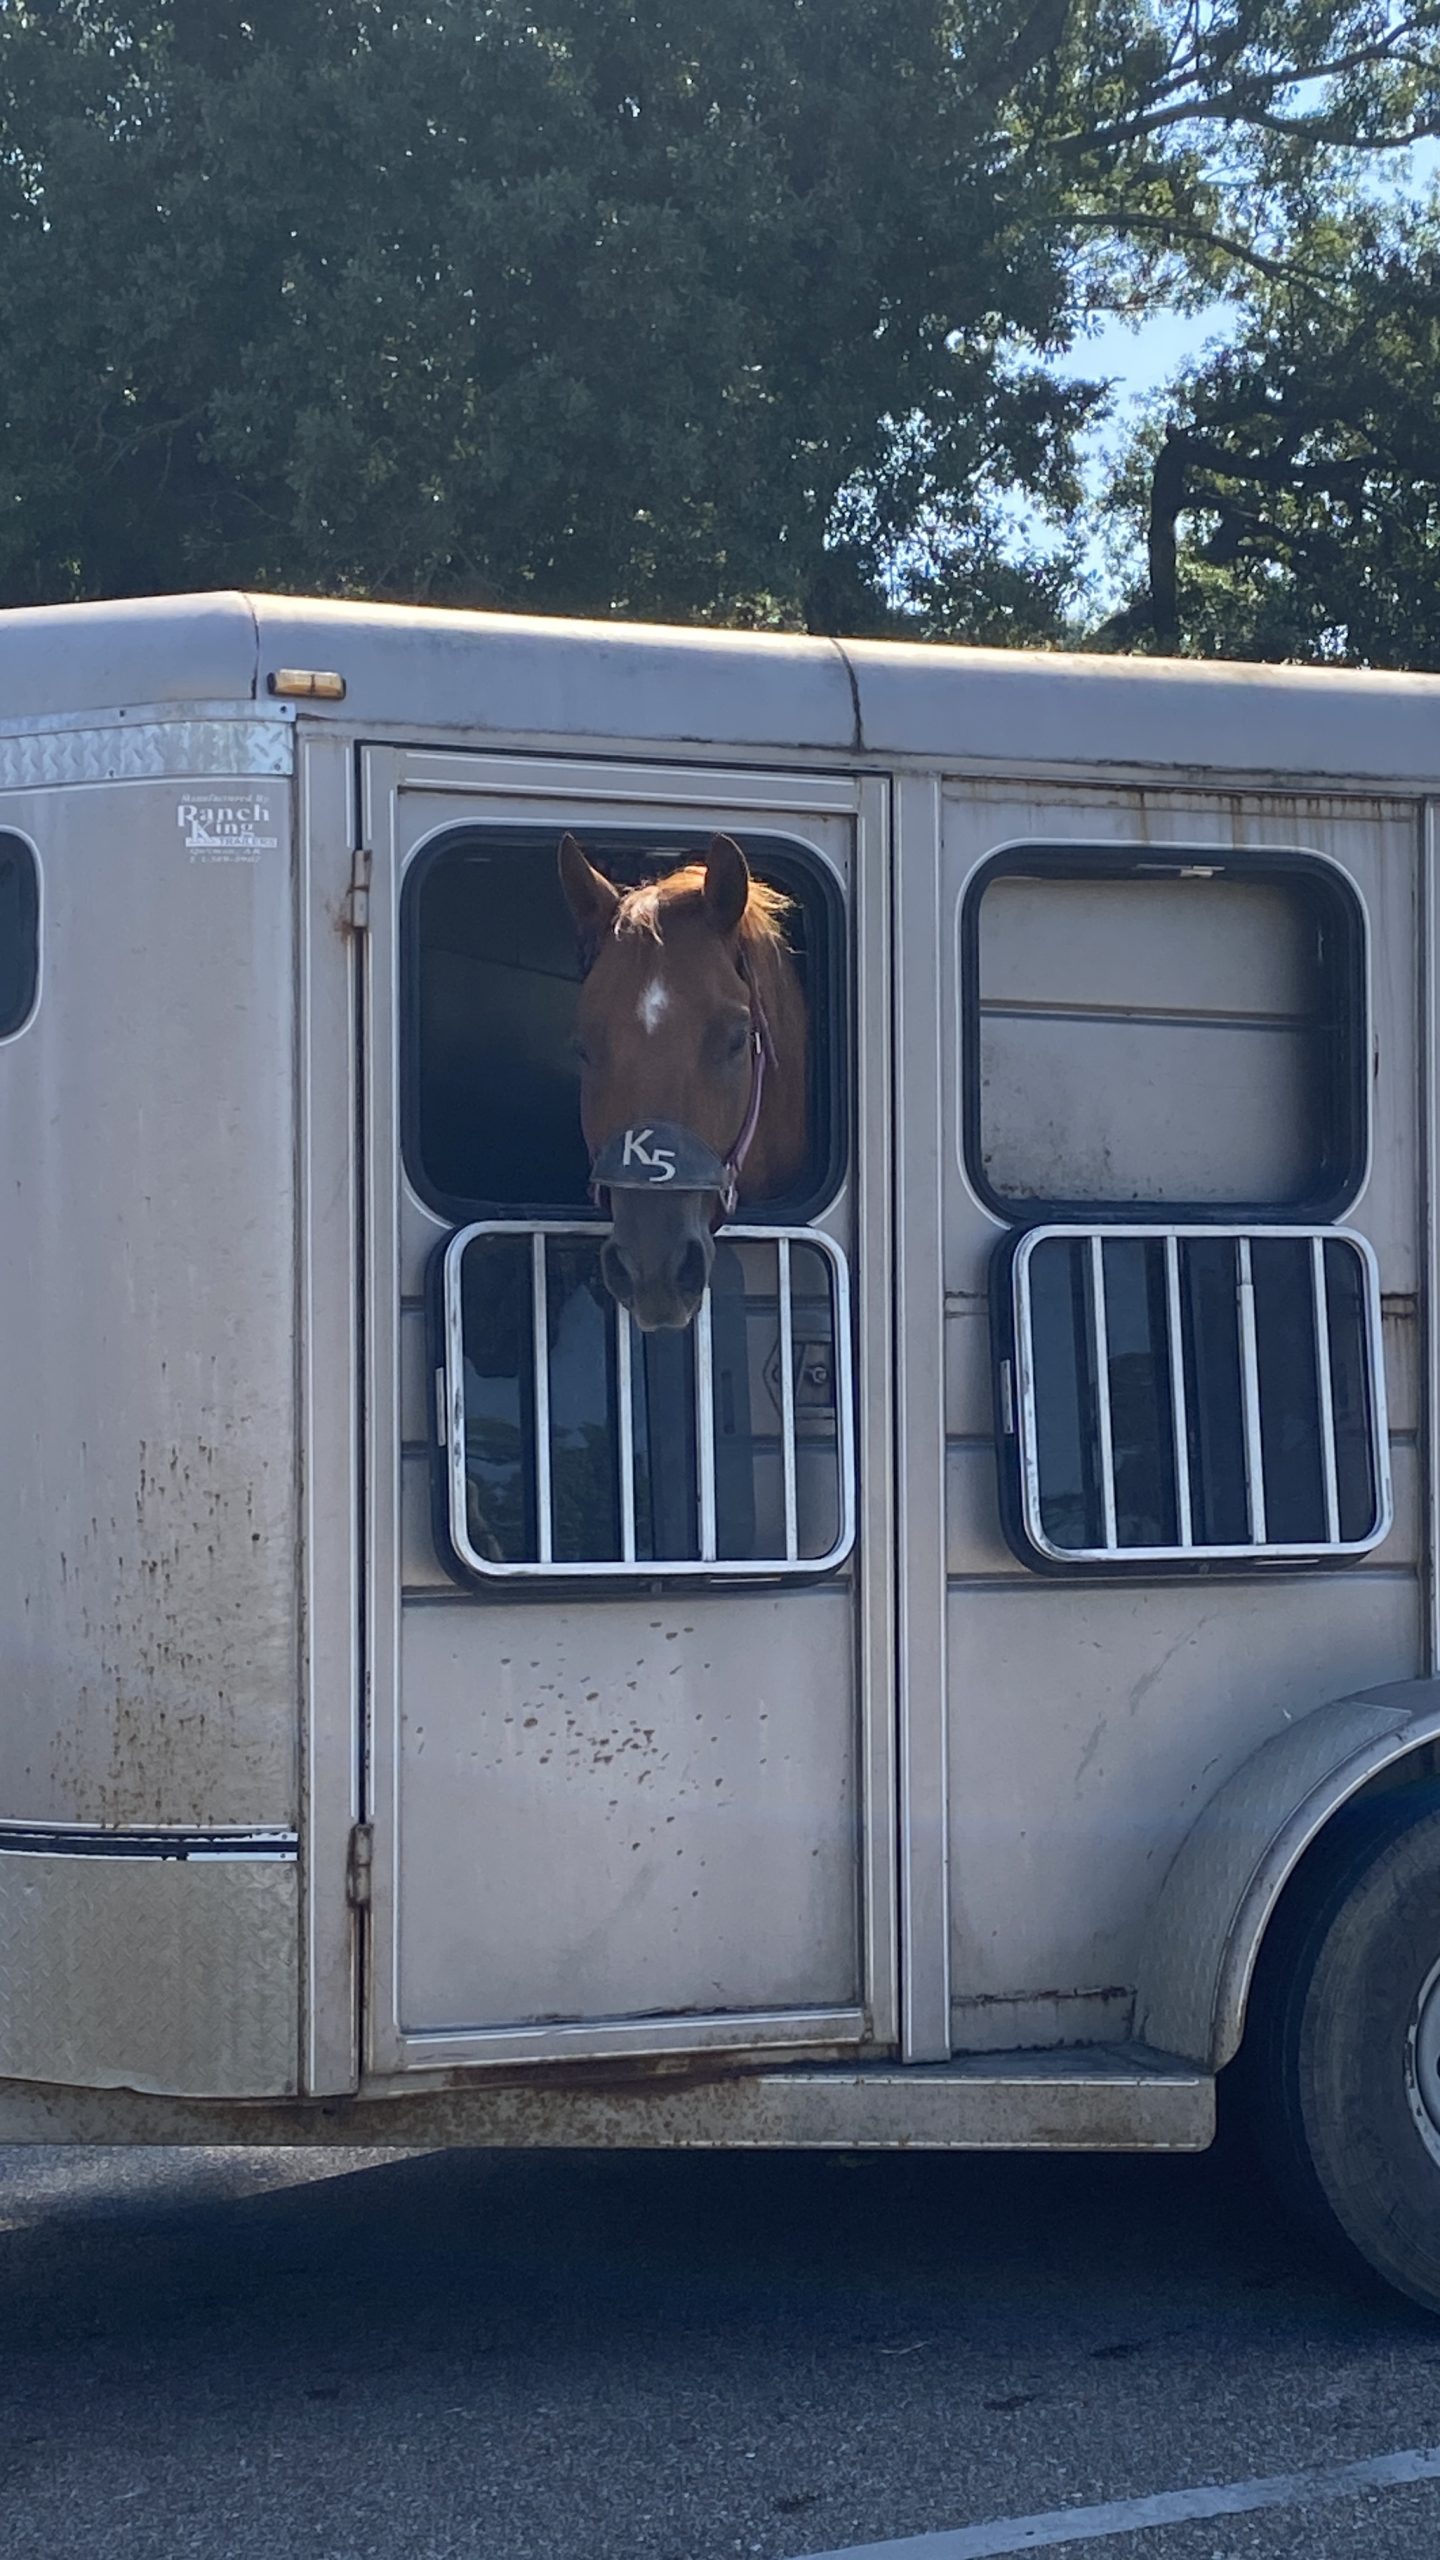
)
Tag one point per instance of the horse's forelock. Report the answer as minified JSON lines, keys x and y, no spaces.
{"x":683,"y":892}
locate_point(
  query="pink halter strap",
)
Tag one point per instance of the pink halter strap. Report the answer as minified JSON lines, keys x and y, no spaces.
{"x":762,"y":1052}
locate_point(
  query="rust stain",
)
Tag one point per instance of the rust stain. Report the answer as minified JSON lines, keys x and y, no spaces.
{"x":179,"y":1649}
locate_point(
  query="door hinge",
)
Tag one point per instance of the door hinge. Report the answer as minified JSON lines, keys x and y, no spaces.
{"x":357,"y":896}
{"x":358,"y":1864}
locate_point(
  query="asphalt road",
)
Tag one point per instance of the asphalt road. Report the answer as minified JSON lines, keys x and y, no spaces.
{"x":609,"y":2358}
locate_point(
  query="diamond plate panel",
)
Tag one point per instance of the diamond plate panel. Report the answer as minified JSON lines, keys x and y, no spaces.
{"x":1228,"y":1875}
{"x":173,"y":1975}
{"x":147,"y":752}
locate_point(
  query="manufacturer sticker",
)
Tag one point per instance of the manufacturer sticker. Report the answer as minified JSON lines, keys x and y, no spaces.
{"x":233,"y":830}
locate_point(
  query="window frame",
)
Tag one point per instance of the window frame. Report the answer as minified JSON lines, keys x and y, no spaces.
{"x":33,"y":902}
{"x":829,"y":993}
{"x":1345,"y":1168}
{"x":542,"y":1579}
{"x":1015,"y":1406}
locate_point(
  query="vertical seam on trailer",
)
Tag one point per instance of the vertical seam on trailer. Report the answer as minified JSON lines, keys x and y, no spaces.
{"x":1431,"y":1224}
{"x":248,"y":602}
{"x":857,"y":739}
{"x":361,"y":1919}
{"x":298,"y":790}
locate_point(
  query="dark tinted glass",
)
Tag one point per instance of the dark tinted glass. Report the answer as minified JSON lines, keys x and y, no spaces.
{"x":1350,"y":1391}
{"x":1142,"y":1436}
{"x":1313,"y":1383}
{"x":1065,"y":1403}
{"x":499,"y":1360}
{"x":1281,"y":1272}
{"x":19,"y":932}
{"x":583,"y":1367}
{"x":816,"y":1390}
{"x":1214,"y":1398}
{"x":584,"y":1482}
{"x":667,"y":1496}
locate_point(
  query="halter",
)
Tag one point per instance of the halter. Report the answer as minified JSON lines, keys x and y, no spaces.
{"x":662,"y":1154}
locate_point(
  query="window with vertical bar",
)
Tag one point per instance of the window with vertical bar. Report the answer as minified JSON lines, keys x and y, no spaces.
{"x":573,"y":1447}
{"x":1185,"y":1396}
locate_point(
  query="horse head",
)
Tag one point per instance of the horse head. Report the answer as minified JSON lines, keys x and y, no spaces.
{"x":690,"y":1035}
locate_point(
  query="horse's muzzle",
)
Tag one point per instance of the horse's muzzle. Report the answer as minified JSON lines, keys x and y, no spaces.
{"x":656,"y":1260}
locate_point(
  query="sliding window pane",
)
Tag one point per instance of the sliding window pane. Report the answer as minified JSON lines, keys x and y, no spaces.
{"x":1214,"y":1404}
{"x":584,"y":1477}
{"x":498,"y":1335}
{"x":1290,"y":1417}
{"x":816,"y":1357}
{"x":667,"y":1500}
{"x":1350,"y":1391}
{"x":1066,"y":1426}
{"x":1142,"y":1435}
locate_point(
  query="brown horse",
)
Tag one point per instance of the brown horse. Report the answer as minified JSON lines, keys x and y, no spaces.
{"x":691,"y":1036}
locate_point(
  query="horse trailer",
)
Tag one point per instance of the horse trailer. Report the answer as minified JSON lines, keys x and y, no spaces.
{"x":966,"y":1678}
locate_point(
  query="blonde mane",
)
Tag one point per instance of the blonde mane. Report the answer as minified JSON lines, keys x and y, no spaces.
{"x":682,"y":892}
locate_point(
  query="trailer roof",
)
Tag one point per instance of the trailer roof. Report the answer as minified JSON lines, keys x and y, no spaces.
{"x":480,"y":676}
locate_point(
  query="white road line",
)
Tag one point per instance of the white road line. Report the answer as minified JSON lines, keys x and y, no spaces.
{"x":1137,"y":2515}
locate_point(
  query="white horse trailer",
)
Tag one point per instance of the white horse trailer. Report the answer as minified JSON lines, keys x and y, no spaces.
{"x":941,"y":1698}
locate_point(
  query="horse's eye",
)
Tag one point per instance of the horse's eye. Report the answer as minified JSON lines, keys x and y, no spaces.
{"x":737,"y":1039}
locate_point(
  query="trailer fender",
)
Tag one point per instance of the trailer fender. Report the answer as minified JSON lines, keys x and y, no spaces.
{"x":1232,"y":1867}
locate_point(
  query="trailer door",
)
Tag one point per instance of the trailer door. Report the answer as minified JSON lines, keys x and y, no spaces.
{"x":629,"y":1622}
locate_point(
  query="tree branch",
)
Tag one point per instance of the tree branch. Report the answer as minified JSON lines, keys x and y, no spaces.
{"x":1247,"y":100}
{"x":1198,"y":237}
{"x":1171,"y":493}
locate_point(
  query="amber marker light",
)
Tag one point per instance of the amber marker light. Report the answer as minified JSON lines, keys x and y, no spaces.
{"x":307,"y":684}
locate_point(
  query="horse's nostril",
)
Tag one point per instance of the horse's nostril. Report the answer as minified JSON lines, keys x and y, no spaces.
{"x":616,"y":1274}
{"x":693,"y":1270}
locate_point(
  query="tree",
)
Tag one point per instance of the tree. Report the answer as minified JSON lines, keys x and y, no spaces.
{"x":742,"y":310}
{"x":1291,"y":502}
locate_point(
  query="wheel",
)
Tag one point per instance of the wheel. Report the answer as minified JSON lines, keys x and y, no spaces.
{"x":1341,"y":2061}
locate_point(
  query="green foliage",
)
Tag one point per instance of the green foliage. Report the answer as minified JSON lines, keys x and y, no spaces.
{"x":1292,"y":506}
{"x":741,"y":311}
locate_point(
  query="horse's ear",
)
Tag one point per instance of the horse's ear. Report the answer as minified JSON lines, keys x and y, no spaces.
{"x":727,"y":884}
{"x":591,"y":898}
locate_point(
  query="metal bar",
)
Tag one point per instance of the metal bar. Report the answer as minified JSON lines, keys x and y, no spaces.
{"x":625,"y":1397}
{"x":1324,"y":1381}
{"x":1100,"y":1346}
{"x":1250,"y":1392}
{"x":787,"y":1397}
{"x":1379,"y":1409}
{"x":705,"y":1428}
{"x":540,"y":1325}
{"x":1179,"y":1420}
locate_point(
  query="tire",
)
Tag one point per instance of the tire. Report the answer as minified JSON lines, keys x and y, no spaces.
{"x":1341,"y":2061}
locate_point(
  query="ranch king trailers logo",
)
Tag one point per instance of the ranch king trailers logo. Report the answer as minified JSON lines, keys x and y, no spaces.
{"x":216,"y":830}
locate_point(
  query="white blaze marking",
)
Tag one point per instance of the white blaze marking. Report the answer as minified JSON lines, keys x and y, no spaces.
{"x":654,"y":1004}
{"x":1060,"y":2529}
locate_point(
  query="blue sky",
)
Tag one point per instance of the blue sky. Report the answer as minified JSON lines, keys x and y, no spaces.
{"x":1136,"y":360}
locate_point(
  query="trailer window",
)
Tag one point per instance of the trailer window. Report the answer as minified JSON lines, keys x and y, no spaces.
{"x":491,"y":1121}
{"x":19,"y":933}
{"x":1187,"y":1396}
{"x":574,"y":1447}
{"x":1169,"y":1029}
